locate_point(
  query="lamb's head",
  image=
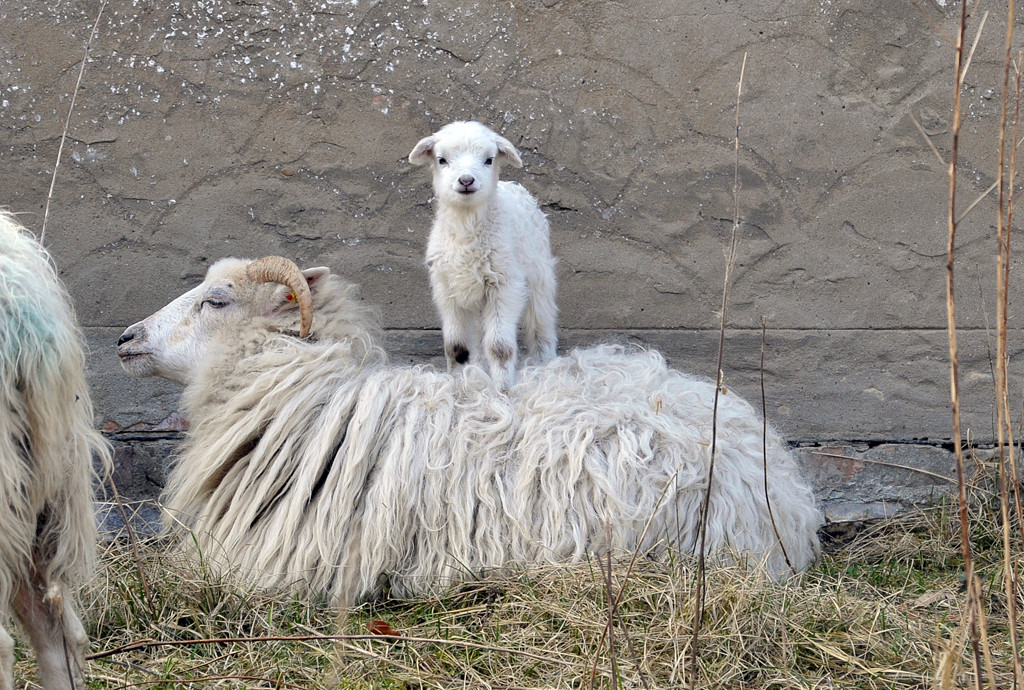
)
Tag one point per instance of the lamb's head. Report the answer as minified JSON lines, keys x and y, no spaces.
{"x":465,"y":158}
{"x":172,"y":343}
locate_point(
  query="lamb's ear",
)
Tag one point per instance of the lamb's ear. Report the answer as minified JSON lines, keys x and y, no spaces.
{"x":507,"y":151}
{"x":283,"y":299}
{"x":423,"y":152}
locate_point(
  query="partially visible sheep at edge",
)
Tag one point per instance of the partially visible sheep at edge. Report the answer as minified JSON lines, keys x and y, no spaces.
{"x":47,"y":447}
{"x":315,"y":466}
{"x":489,"y":253}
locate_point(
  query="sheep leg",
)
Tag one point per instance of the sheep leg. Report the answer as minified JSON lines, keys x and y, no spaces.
{"x":6,"y":660}
{"x":457,"y":325}
{"x":540,"y":322}
{"x":56,"y":634}
{"x":459,"y":334}
{"x":499,"y":338}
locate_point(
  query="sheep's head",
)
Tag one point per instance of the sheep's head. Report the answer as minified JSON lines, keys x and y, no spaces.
{"x":172,"y":342}
{"x":465,"y":158}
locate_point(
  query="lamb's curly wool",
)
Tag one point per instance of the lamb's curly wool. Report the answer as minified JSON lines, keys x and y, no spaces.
{"x":316,"y":466}
{"x":47,"y":443}
{"x":489,"y":253}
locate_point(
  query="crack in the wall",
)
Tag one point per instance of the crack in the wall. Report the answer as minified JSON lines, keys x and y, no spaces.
{"x":864,"y":445}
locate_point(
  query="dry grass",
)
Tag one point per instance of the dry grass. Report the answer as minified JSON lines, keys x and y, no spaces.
{"x":875,"y":613}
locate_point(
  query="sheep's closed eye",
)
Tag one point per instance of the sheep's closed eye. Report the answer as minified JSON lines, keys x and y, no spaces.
{"x":215,"y":303}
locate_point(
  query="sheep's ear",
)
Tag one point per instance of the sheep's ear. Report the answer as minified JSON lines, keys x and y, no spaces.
{"x":507,"y":151}
{"x":283,"y":300}
{"x":315,"y":277}
{"x":423,"y":152}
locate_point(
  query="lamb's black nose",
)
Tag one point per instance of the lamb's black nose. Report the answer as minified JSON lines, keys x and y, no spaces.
{"x":125,"y":337}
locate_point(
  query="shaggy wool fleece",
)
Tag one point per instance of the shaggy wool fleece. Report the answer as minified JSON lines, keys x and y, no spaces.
{"x":47,"y":439}
{"x":317,"y":466}
{"x":47,"y":446}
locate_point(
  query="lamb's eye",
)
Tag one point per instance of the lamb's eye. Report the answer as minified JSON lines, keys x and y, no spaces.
{"x":215,"y":303}
{"x":442,"y":161}
{"x":489,"y":161}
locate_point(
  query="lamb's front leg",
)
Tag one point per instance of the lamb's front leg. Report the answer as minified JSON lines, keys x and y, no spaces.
{"x":459,"y":332}
{"x":500,"y":318}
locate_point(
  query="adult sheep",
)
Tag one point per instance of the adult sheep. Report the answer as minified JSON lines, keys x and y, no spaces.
{"x":314,"y":465}
{"x":47,"y":445}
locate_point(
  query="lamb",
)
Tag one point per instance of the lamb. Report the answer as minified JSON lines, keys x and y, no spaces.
{"x":489,"y":254}
{"x":47,"y":444}
{"x":315,"y":466}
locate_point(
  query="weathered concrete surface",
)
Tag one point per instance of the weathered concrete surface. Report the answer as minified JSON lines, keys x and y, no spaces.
{"x":210,"y":128}
{"x":857,"y":481}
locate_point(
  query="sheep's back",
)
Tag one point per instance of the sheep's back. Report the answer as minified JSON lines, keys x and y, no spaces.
{"x":334,"y":476}
{"x":47,"y":441}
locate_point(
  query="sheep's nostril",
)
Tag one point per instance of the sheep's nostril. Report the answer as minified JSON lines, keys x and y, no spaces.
{"x":467,"y":180}
{"x":125,"y":337}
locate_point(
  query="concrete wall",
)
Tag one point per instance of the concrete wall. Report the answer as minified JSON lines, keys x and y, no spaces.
{"x":208,"y":128}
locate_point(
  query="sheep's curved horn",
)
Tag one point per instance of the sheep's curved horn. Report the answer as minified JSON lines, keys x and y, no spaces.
{"x":277,"y":269}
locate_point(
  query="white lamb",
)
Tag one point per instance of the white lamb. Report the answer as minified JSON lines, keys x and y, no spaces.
{"x":489,"y":254}
{"x":47,"y":442}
